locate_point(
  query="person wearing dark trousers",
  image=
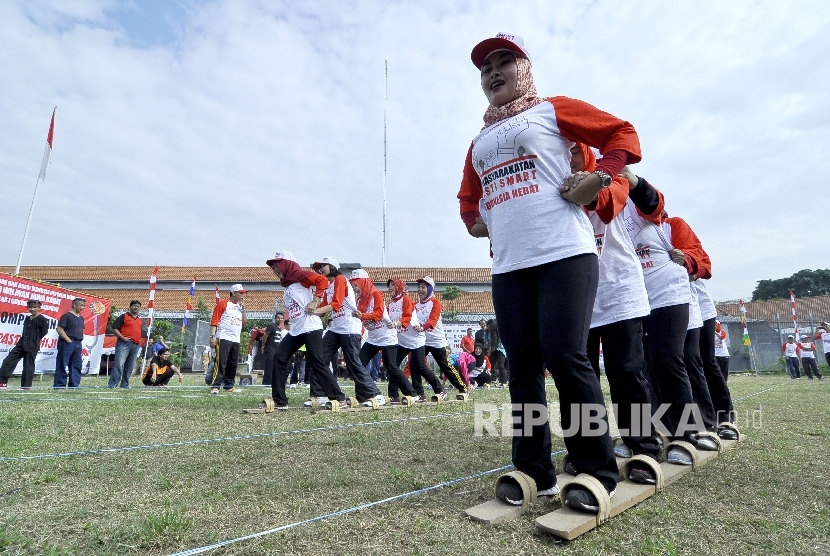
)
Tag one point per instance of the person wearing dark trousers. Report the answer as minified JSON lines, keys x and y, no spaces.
{"x":428,"y":309}
{"x":496,"y":354}
{"x":694,"y":368}
{"x":160,"y":370}
{"x":127,"y":330}
{"x":721,"y":349}
{"x":411,"y":341}
{"x":545,"y":267}
{"x":790,"y":351}
{"x":669,"y":296}
{"x":380,"y":338}
{"x":339,"y":300}
{"x":35,"y":328}
{"x":616,"y":319}
{"x":70,"y":349}
{"x":271,"y":339}
{"x":715,"y":379}
{"x":482,"y":337}
{"x":225,"y":331}
{"x":303,"y":294}
{"x":807,"y":351}
{"x":823,"y":334}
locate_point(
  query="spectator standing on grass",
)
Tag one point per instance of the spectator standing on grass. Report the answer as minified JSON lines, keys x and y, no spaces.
{"x":70,"y":337}
{"x":482,"y":336}
{"x":160,"y":370}
{"x":271,"y":339}
{"x":468,"y":342}
{"x":807,"y":351}
{"x":823,"y":334}
{"x":35,"y":328}
{"x":127,"y":330}
{"x":496,"y":354}
{"x":790,"y":351}
{"x":225,"y":330}
{"x":721,"y":350}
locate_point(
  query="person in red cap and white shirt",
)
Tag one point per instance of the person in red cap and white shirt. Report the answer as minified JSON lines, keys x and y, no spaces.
{"x":807,"y":351}
{"x":517,"y":189}
{"x":428,"y":308}
{"x":339,"y":300}
{"x":225,"y":329}
{"x":371,"y":309}
{"x":303,"y":294}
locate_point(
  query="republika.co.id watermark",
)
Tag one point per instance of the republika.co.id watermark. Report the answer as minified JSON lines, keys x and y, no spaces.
{"x":591,"y":419}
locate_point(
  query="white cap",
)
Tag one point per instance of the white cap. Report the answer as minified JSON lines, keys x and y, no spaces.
{"x":428,"y":280}
{"x":281,"y":255}
{"x":359,"y":273}
{"x":790,"y":336}
{"x":326,"y":260}
{"x":502,"y":41}
{"x":238,"y":288}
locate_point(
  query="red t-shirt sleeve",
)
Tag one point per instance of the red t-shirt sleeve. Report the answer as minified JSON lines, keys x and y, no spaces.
{"x":584,"y":123}
{"x":470,"y":192}
{"x":611,"y":200}
{"x":218,"y":309}
{"x":377,"y":313}
{"x":434,"y":314}
{"x":406,"y":311}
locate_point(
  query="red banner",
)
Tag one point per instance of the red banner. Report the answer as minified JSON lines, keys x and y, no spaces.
{"x":16,"y":291}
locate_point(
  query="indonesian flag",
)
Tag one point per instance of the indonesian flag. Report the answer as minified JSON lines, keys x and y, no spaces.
{"x":743,"y":322}
{"x":47,"y":154}
{"x":189,"y":306}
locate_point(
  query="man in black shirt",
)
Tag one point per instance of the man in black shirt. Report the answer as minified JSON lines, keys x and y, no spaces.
{"x":35,"y":327}
{"x":271,"y":339}
{"x":71,"y":334}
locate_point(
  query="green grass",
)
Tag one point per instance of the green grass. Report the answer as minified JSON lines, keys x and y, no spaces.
{"x":768,"y":495}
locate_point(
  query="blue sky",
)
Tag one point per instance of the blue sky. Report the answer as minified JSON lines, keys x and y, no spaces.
{"x":216,"y":132}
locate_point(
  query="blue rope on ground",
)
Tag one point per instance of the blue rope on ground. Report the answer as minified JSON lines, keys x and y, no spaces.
{"x":108,"y":398}
{"x":347,"y":510}
{"x":230,"y":438}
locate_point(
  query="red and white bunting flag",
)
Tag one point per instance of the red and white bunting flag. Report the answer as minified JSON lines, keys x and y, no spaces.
{"x":152,"y":293}
{"x":218,"y":297}
{"x":795,"y":319}
{"x":47,"y":154}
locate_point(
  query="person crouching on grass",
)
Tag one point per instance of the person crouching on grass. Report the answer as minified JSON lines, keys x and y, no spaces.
{"x":160,"y":370}
{"x":518,"y":190}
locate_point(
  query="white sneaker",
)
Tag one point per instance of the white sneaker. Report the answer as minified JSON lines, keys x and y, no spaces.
{"x":381,"y":399}
{"x":322,"y":400}
{"x":553,"y":491}
{"x":293,"y":386}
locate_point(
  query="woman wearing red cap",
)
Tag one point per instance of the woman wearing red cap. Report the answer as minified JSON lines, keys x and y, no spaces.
{"x":517,"y":189}
{"x":371,"y":309}
{"x":411,"y":340}
{"x":303,"y":293}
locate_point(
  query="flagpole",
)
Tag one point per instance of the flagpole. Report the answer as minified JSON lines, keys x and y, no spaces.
{"x":40,"y":176}
{"x":385,"y":87}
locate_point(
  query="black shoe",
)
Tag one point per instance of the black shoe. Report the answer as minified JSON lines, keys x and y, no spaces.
{"x":582,"y":500}
{"x":570,"y":469}
{"x":727,"y":434}
{"x":641,"y":474}
{"x":510,"y":492}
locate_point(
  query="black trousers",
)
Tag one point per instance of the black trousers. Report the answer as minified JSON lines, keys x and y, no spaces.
{"x":269,"y":366}
{"x":700,"y":387}
{"x":390,"y":356}
{"x":224,"y":365}
{"x":10,"y":362}
{"x":326,"y":383}
{"x":417,"y":369}
{"x":622,"y":347}
{"x":666,"y":329}
{"x":718,"y":390}
{"x":809,"y":364}
{"x":544,"y":315}
{"x":497,"y":360}
{"x":723,"y":364}
{"x":161,"y":379}
{"x":482,"y":378}
{"x":452,"y":374}
{"x":364,"y":386}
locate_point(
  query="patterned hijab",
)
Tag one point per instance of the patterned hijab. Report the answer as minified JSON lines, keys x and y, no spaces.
{"x":524,"y":98}
{"x":401,"y":288}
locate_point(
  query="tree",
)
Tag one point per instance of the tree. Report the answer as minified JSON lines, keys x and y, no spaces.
{"x":115,"y":312}
{"x":804,"y":283}
{"x":451,"y":293}
{"x":162,"y":328}
{"x":202,"y":311}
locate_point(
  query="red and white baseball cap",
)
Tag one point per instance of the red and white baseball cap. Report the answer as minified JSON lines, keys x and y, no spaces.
{"x":502,"y":41}
{"x":237,"y":288}
{"x":428,"y":280}
{"x":281,"y":255}
{"x":326,"y":260}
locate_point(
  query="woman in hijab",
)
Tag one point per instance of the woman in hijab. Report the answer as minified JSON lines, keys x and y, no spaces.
{"x":518,"y":190}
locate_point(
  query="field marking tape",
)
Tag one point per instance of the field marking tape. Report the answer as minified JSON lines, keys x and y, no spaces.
{"x":338,"y":513}
{"x":231,"y":438}
{"x":108,"y":398}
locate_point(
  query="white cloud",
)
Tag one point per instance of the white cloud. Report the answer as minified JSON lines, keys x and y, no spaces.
{"x":261,"y":126}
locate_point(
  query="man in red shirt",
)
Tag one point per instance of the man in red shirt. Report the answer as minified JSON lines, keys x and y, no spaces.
{"x":468,"y":342}
{"x":127,"y":328}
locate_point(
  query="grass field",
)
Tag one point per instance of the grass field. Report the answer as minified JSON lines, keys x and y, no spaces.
{"x":768,"y":495}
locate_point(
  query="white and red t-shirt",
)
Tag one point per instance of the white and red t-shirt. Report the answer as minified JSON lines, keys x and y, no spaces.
{"x":429,"y":313}
{"x":378,"y":333}
{"x":667,"y":283}
{"x":295,"y":299}
{"x":807,"y":349}
{"x":403,"y":310}
{"x":790,"y":349}
{"x":227,"y":318}
{"x":704,"y":300}
{"x":721,"y":345}
{"x":825,"y":340}
{"x":621,"y":293}
{"x":340,"y":295}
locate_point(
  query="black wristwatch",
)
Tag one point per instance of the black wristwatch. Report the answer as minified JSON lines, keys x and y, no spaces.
{"x":603,"y":177}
